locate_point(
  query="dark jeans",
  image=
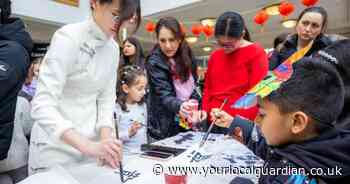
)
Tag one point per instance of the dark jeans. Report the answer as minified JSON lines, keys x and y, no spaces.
{"x":14,"y":176}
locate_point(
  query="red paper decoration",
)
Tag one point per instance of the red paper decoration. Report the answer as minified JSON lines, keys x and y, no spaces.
{"x":261,"y":17}
{"x":196,"y":30}
{"x":150,"y":27}
{"x":309,"y":2}
{"x":286,"y":8}
{"x":208,"y":31}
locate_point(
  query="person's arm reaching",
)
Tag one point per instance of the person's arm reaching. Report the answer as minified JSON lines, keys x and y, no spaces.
{"x":243,"y":130}
{"x":54,"y":70}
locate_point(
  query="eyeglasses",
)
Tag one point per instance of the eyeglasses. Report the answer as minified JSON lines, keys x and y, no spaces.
{"x":114,"y":13}
{"x":116,"y":18}
{"x":132,"y":20}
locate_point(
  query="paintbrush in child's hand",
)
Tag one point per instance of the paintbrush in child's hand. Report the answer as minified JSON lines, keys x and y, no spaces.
{"x":206,"y":135}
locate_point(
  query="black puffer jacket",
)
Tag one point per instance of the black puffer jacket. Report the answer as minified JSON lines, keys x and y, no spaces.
{"x":343,"y":120}
{"x":15,"y":46}
{"x":290,"y":46}
{"x":162,"y":102}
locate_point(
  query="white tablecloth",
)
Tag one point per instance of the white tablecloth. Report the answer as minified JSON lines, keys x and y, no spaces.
{"x":218,"y":152}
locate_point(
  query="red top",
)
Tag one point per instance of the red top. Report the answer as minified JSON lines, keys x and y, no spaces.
{"x":232,"y":75}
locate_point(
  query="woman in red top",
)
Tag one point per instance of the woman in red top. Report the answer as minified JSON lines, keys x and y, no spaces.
{"x":234,"y":68}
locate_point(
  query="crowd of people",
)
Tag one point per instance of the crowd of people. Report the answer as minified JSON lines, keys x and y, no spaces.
{"x":95,"y":97}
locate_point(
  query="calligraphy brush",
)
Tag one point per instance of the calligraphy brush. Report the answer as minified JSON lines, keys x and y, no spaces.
{"x":201,"y":122}
{"x":206,"y":135}
{"x":121,"y":171}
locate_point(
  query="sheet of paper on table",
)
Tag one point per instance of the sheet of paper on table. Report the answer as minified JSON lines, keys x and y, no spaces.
{"x":186,"y":140}
{"x":57,"y":175}
{"x":136,"y":170}
{"x":217,"y":152}
{"x":140,"y":170}
{"x":218,"y":155}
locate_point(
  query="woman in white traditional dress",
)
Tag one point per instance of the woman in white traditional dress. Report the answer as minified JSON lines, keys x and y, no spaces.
{"x":74,"y":103}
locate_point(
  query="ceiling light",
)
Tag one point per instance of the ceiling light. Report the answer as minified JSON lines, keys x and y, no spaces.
{"x":289,"y":23}
{"x":210,"y":21}
{"x":191,"y":39}
{"x":207,"y":48}
{"x":272,"y":9}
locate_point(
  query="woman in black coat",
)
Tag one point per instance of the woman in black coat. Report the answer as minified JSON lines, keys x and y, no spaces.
{"x":311,"y":25}
{"x":172,"y":77}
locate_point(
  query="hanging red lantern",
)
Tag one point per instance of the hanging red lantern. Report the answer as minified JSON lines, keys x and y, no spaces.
{"x":286,"y":8}
{"x":208,"y":31}
{"x":196,"y":30}
{"x":150,"y":26}
{"x":309,"y":2}
{"x":260,"y":18}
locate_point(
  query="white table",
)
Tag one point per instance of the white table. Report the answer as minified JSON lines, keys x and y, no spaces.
{"x":222,"y":153}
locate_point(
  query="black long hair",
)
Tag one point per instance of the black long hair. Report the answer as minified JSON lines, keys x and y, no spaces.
{"x":183,"y":57}
{"x":128,"y":8}
{"x":281,"y":38}
{"x":231,"y":24}
{"x":5,"y":11}
{"x":138,"y":58}
{"x":128,"y":76}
